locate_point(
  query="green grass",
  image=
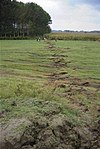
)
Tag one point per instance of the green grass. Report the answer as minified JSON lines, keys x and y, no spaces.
{"x":27,"y":68}
{"x":84,"y":58}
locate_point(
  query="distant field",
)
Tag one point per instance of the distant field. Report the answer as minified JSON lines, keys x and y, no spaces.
{"x":62,"y":72}
{"x":73,"y":36}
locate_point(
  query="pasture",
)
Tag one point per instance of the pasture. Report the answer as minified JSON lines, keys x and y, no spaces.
{"x":64,"y":74}
{"x":52,"y":71}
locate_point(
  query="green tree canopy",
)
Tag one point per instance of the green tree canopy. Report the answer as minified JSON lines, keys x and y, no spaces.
{"x":19,"y":19}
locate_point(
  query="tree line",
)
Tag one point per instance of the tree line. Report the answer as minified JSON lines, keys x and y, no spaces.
{"x":22,"y":19}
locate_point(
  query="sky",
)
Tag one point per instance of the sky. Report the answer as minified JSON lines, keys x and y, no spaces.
{"x":75,"y":15}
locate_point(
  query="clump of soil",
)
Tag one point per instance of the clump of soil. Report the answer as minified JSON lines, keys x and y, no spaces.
{"x":55,"y":132}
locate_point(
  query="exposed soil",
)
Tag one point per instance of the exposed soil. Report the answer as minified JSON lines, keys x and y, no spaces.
{"x":55,"y":132}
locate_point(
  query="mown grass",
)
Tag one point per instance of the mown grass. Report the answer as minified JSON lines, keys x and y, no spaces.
{"x":27,"y":68}
{"x":23,"y":66}
{"x":84,"y":58}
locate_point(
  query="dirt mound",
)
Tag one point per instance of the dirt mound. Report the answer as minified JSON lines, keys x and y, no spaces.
{"x":55,"y":132}
{"x":96,"y":135}
{"x":58,"y":133}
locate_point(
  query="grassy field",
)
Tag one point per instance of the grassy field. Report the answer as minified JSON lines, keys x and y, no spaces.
{"x":43,"y":77}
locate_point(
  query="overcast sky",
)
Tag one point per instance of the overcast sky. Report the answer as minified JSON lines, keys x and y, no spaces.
{"x":72,"y":14}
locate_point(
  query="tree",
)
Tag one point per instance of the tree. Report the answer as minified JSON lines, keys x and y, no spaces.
{"x":5,"y":17}
{"x":19,"y":19}
{"x":37,"y":19}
